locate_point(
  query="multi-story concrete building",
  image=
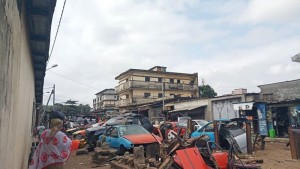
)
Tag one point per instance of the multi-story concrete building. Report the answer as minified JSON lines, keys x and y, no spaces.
{"x":24,"y":50}
{"x":105,"y":100}
{"x":138,"y":86}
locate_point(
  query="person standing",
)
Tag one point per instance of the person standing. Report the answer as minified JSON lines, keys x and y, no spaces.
{"x":54,"y":147}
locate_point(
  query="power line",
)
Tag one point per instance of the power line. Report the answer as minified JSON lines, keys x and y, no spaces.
{"x":74,"y":81}
{"x":62,"y":12}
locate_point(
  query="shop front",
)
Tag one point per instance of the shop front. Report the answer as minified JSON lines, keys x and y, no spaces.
{"x":282,"y":115}
{"x":255,"y":112}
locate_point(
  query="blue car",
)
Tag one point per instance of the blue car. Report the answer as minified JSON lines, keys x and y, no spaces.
{"x":230,"y":131}
{"x":125,"y":137}
{"x":207,"y":129}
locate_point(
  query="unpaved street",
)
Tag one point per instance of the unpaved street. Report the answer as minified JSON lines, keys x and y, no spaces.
{"x":275,"y":156}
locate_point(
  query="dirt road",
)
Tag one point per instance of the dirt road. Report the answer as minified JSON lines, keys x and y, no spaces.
{"x":275,"y":156}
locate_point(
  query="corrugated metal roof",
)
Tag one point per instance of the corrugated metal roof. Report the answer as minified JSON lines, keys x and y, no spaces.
{"x":39,"y":15}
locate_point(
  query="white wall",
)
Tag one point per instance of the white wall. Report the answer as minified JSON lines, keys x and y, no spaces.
{"x":223,"y":109}
{"x":16,"y":88}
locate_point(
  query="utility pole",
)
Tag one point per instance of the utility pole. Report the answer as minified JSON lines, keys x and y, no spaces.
{"x":53,"y":91}
{"x":163,"y":94}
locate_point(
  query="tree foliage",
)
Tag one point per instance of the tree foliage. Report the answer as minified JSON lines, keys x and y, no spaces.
{"x":206,"y":91}
{"x":70,"y":109}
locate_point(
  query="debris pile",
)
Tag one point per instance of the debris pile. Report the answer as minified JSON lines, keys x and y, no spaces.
{"x":104,"y":154}
{"x":135,"y":160}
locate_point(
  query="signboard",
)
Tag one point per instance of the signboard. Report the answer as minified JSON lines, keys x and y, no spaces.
{"x":262,"y":121}
{"x":243,"y":106}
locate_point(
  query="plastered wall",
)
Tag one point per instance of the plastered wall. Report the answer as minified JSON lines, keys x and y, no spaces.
{"x":16,"y":88}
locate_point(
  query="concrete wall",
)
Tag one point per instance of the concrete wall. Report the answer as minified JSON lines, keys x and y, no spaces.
{"x":223,"y":109}
{"x":282,"y":91}
{"x":154,"y":93}
{"x":196,"y":103}
{"x":154,"y":112}
{"x":16,"y":86}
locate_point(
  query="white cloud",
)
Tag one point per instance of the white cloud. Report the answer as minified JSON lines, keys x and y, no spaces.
{"x":100,"y":39}
{"x":271,"y":11}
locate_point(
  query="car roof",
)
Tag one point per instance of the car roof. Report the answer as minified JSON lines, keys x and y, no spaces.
{"x":124,"y":125}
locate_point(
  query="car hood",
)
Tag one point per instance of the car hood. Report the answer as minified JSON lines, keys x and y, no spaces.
{"x":141,"y":138}
{"x":79,"y":132}
{"x":95,"y":128}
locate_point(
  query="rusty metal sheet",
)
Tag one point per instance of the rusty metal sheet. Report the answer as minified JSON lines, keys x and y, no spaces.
{"x":191,"y":159}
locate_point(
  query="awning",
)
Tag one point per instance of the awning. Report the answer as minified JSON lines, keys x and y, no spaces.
{"x":243,"y":106}
{"x":169,"y":104}
{"x":187,"y":109}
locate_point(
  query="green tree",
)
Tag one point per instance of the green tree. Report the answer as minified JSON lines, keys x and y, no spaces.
{"x":70,"y":109}
{"x":206,"y":91}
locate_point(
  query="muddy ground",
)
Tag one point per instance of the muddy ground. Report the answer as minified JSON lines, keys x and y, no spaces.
{"x":275,"y":156}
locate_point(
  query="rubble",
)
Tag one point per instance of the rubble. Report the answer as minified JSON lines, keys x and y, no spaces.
{"x":82,"y":151}
{"x":177,"y":153}
{"x":104,"y":154}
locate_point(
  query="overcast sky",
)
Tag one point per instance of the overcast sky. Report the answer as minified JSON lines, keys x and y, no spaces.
{"x":231,"y":44}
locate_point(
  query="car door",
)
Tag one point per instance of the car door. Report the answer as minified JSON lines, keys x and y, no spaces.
{"x":112,"y":137}
{"x":208,"y":130}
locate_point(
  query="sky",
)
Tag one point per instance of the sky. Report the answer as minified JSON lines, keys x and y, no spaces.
{"x":230,"y":43}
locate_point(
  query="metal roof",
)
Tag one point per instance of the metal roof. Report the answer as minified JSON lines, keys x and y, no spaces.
{"x":153,"y":72}
{"x":39,"y":15}
{"x":296,"y":58}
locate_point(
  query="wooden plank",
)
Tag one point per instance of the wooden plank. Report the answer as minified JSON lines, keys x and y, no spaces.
{"x":292,"y":144}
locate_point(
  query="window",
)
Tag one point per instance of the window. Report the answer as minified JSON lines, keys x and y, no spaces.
{"x":160,"y":79}
{"x":208,"y":128}
{"x":160,"y":95}
{"x":147,"y":79}
{"x":146,"y":95}
{"x":112,"y":132}
{"x":178,"y":81}
{"x":171,"y":80}
{"x":127,"y":96}
{"x":126,"y":80}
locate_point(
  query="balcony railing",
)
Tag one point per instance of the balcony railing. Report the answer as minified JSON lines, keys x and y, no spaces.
{"x":155,"y":85}
{"x":138,"y":100}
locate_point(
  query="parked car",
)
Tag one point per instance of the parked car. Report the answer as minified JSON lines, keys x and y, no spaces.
{"x":80,"y":134}
{"x":197,"y":123}
{"x":128,"y":118}
{"x":93,"y":133}
{"x":125,"y":137}
{"x":230,"y":131}
{"x":144,"y":121}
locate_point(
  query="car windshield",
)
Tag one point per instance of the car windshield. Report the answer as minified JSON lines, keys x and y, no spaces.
{"x":115,"y":120}
{"x":201,"y":122}
{"x":132,"y":130}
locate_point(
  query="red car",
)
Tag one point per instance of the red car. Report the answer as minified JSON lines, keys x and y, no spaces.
{"x":175,"y":126}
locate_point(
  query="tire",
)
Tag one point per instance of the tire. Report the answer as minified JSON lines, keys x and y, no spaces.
{"x":122,"y":150}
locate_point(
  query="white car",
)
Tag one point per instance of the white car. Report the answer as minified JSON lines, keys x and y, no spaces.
{"x":198,"y":123}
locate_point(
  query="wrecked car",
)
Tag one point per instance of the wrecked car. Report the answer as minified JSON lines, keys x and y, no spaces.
{"x":128,"y":118}
{"x":125,"y":137}
{"x":230,"y":132}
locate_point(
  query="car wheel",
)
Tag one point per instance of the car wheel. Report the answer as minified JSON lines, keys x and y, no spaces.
{"x":122,"y":150}
{"x":78,"y":137}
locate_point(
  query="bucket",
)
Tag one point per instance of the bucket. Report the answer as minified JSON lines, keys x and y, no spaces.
{"x":75,"y":144}
{"x":272,"y":133}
